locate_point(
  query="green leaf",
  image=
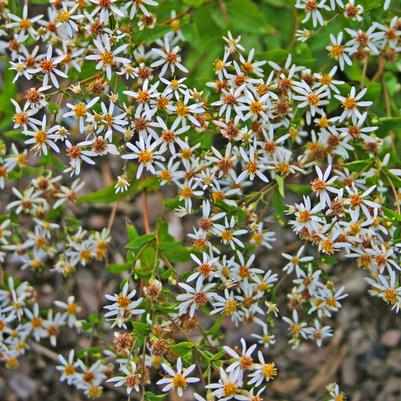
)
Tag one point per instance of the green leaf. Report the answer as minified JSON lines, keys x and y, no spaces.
{"x":140,"y":328}
{"x":140,"y":241}
{"x":175,"y":251}
{"x":387,"y":124}
{"x":357,"y":165}
{"x":218,"y":356}
{"x":148,"y":260}
{"x":119,"y":267}
{"x":149,"y":396}
{"x":182,"y":348}
{"x":280,"y":182}
{"x":391,"y":214}
{"x":279,"y":207}
{"x":300,"y":189}
{"x":132,"y":232}
{"x":245,"y":16}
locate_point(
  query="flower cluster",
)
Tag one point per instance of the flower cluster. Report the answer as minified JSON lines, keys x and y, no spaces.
{"x":226,"y":154}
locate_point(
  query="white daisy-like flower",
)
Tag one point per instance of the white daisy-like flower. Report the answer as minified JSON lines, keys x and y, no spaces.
{"x":106,"y":58}
{"x":139,"y":6}
{"x":264,"y":371}
{"x":105,"y":9}
{"x":131,"y":379}
{"x":144,"y":151}
{"x":47,"y":67}
{"x":123,"y":306}
{"x":338,"y":51}
{"x":313,"y":11}
{"x":43,"y":138}
{"x":168,"y":57}
{"x":242,"y":361}
{"x":80,"y":111}
{"x":295,"y":261}
{"x":352,"y":103}
{"x":228,"y":234}
{"x":68,"y":368}
{"x":194,"y":298}
{"x":179,"y":378}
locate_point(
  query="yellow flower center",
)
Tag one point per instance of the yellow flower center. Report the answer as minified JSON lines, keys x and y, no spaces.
{"x":63,"y":16}
{"x":181,"y":110}
{"x":80,"y":110}
{"x":40,"y":137}
{"x":227,"y":235}
{"x":145,"y":157}
{"x":230,"y":307}
{"x":230,"y":389}
{"x":123,"y":301}
{"x":269,"y":371}
{"x":25,"y":24}
{"x":349,"y":103}
{"x":107,"y":58}
{"x":179,"y":381}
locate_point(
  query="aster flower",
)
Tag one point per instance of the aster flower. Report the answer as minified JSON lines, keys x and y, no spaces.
{"x":123,"y":306}
{"x":106,"y":57}
{"x":146,"y":154}
{"x":130,"y":379}
{"x":48,"y":67}
{"x":179,"y":378}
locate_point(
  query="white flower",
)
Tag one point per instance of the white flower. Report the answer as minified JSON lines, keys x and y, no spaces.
{"x":43,"y":138}
{"x":318,"y":333}
{"x":143,"y":97}
{"x":295,"y":261}
{"x":194,"y":298}
{"x":71,"y":309}
{"x":52,"y":324}
{"x":233,"y":43}
{"x":80,"y":111}
{"x":168,"y":58}
{"x":178,"y":379}
{"x":242,"y":361}
{"x":146,"y":154}
{"x":358,"y":202}
{"x":228,"y":234}
{"x":313,"y":99}
{"x":254,"y":165}
{"x":351,"y":103}
{"x":187,"y":190}
{"x":68,"y":368}
{"x":227,"y":305}
{"x":25,"y":23}
{"x":322,"y":185}
{"x":66,"y":19}
{"x":130,"y":380}
{"x":338,"y":51}
{"x":35,"y":324}
{"x":139,"y":5}
{"x":47,"y":66}
{"x":312,"y":10}
{"x":364,"y":40}
{"x":106,"y":57}
{"x":123,"y":306}
{"x":106,"y":8}
{"x":385,"y":287}
{"x":228,"y":387}
{"x":264,"y":371}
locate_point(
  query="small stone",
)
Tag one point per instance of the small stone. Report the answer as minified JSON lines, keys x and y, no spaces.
{"x":390,"y":338}
{"x":23,"y":385}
